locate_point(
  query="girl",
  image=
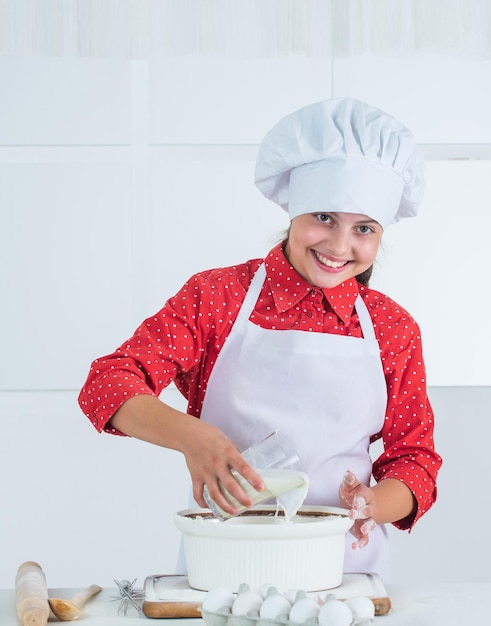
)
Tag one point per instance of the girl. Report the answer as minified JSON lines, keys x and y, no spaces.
{"x":297,"y":341}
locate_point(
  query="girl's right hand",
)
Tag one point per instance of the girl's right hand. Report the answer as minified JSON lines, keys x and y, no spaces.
{"x":210,"y":457}
{"x":209,"y":453}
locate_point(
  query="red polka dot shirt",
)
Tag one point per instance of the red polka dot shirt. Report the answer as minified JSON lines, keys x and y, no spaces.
{"x":181,"y":342}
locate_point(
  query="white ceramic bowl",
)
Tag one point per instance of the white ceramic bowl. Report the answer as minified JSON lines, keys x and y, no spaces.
{"x":257,"y":548}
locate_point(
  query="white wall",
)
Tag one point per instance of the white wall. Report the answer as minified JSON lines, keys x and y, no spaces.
{"x":92,"y":508}
{"x":118,"y":179}
{"x":88,"y":508}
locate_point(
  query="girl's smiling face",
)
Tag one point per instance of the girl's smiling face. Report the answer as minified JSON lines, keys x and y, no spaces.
{"x":329,"y":248}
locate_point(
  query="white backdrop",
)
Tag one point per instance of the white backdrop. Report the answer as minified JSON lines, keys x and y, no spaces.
{"x":118,"y":179}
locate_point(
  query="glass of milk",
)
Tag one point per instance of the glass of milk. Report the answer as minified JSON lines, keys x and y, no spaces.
{"x":275,"y":460}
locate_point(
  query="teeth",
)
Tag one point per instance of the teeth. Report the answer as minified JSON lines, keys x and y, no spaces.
{"x":325,"y":261}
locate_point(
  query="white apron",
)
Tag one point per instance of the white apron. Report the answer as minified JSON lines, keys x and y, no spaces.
{"x":325,"y":392}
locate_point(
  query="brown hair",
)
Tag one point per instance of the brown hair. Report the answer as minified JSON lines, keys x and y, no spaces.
{"x":364,"y":277}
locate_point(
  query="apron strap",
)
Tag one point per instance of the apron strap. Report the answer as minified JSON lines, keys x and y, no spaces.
{"x":365,"y":319}
{"x":252,"y":294}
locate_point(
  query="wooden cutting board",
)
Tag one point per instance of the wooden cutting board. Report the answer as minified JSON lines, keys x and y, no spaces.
{"x":171,"y":596}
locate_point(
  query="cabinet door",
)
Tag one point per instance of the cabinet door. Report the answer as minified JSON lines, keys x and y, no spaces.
{"x":203,"y":100}
{"x":436,"y":267}
{"x":65,"y":270}
{"x":65,"y":102}
{"x":442,"y":99}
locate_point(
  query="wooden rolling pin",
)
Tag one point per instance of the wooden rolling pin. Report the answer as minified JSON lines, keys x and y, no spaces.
{"x":31,"y":595}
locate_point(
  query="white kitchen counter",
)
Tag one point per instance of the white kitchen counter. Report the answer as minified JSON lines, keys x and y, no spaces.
{"x":412,"y":605}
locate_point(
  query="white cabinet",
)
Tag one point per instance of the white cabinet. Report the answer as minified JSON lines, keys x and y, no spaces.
{"x":442,"y":99}
{"x":208,"y":100}
{"x":435,"y":266}
{"x":66,"y":270}
{"x":64,"y":102}
{"x":207,"y":213}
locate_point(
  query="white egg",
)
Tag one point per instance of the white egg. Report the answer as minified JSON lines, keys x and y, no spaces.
{"x":246,"y":601}
{"x":328,"y":597}
{"x":335,"y":613}
{"x":217,"y":598}
{"x":265,"y":589}
{"x":293,"y":595}
{"x":274,"y":605}
{"x":362,"y":608}
{"x":304,"y":609}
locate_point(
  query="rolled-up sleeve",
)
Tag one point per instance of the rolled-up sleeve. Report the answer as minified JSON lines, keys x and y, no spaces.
{"x":164,"y":347}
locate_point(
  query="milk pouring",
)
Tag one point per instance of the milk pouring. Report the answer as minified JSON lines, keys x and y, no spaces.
{"x":284,"y":478}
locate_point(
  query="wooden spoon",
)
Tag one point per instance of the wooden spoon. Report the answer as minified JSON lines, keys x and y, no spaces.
{"x":68,"y":610}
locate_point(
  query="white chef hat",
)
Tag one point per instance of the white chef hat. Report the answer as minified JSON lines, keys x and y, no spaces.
{"x":342,"y":155}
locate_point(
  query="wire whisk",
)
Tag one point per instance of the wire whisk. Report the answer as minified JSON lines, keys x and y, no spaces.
{"x":128,"y":596}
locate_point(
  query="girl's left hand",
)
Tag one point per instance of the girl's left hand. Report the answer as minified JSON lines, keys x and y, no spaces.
{"x":361,"y":501}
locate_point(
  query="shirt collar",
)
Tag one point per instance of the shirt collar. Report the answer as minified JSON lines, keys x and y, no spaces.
{"x":288,"y":288}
